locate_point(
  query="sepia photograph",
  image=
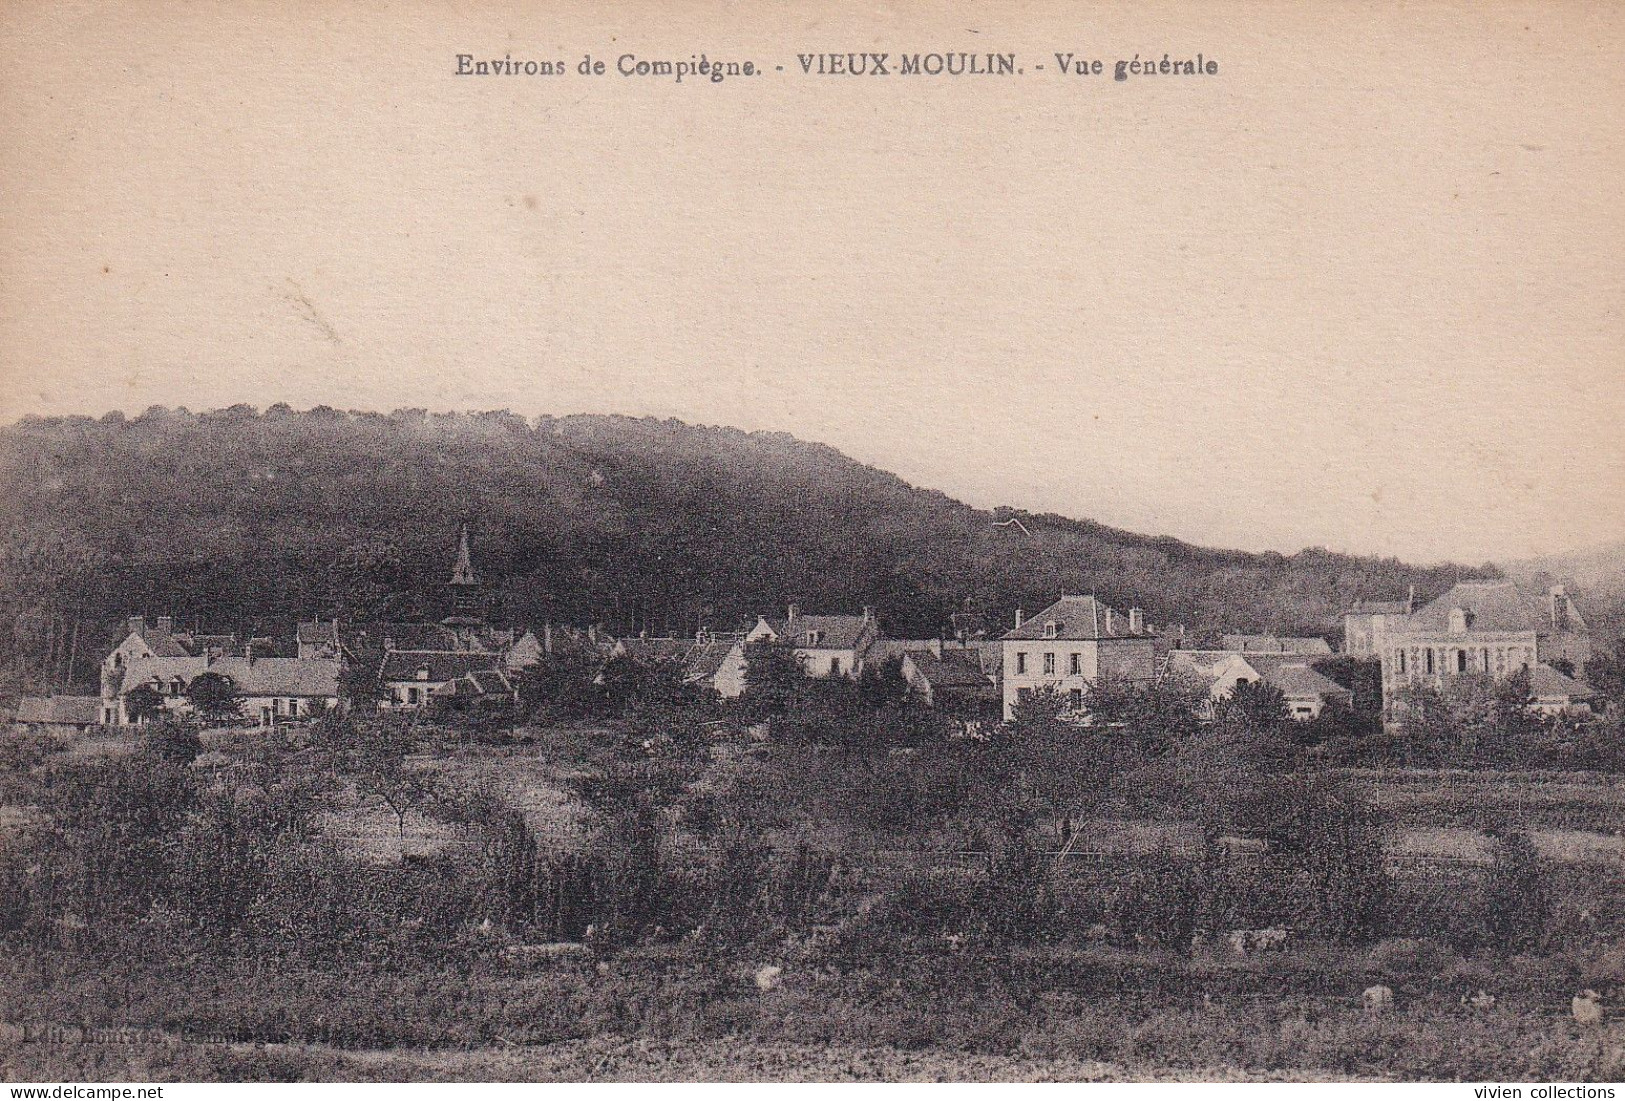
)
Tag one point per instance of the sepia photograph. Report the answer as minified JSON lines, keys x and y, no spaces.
{"x":599,"y":541}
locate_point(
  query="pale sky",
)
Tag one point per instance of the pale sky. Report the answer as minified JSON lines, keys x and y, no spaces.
{"x":1362,"y":289}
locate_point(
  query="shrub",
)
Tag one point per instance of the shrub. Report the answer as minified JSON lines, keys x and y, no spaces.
{"x":1516,"y":893}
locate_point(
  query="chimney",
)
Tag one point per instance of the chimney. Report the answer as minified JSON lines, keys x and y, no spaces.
{"x":166,"y":624}
{"x":547,"y":638}
{"x":1018,"y":617}
{"x":1410,"y":601}
{"x":138,"y":624}
{"x":1136,"y":621}
{"x":1111,"y":622}
{"x":1559,"y":600}
{"x":936,"y":647}
{"x":869,"y":613}
{"x":790,"y":612}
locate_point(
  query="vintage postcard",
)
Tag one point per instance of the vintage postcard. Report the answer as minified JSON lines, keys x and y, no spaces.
{"x":601,"y":540}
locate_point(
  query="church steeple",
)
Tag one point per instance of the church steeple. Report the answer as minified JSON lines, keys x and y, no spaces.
{"x":463,"y":572}
{"x":467,"y":596}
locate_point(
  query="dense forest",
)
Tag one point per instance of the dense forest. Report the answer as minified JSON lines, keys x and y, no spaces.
{"x":238,"y":520}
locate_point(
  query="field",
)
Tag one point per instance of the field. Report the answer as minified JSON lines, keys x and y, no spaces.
{"x":657,"y":1026}
{"x":607,"y":1060}
{"x":1437,"y":816}
{"x":879,"y":984}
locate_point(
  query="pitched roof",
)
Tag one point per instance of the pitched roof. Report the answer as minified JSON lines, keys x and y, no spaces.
{"x":1379,"y":607}
{"x":257,"y":677}
{"x":281,"y":676}
{"x":161,"y":671}
{"x":442,"y":665}
{"x":884,"y":649}
{"x":1294,"y":676}
{"x":490,"y":682}
{"x":1207,"y":665}
{"x":202,"y":644}
{"x":705,"y":660}
{"x":1494,"y":606}
{"x":834,"y":632}
{"x":60,"y":710}
{"x":398,"y":636}
{"x":1076,"y":618}
{"x":162,"y":643}
{"x":1291,"y":673}
{"x":1546,"y":683}
{"x":954,"y":669}
{"x":525,"y":652}
{"x":1275,"y":644}
{"x":655,"y":649}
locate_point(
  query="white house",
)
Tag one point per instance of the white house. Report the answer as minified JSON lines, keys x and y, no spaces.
{"x":1070,"y":646}
{"x":269,"y":690}
{"x":717,"y":662}
{"x":1307,"y":692}
{"x":827,"y":645}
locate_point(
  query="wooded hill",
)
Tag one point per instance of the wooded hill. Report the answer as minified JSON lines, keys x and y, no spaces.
{"x":247,"y":521}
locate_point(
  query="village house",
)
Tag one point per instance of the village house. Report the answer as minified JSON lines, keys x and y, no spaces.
{"x":951,"y":677}
{"x":826,"y":645}
{"x":159,"y":657}
{"x":412,"y":679}
{"x":1308,"y":692}
{"x":527,"y":651}
{"x":1489,"y":628}
{"x":717,"y":662}
{"x":1553,"y":692}
{"x":711,"y":660}
{"x":1070,"y":646}
{"x":268,"y":689}
{"x":162,"y":640}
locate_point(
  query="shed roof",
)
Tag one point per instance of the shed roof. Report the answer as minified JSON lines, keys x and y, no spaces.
{"x":1546,"y":683}
{"x":60,"y":710}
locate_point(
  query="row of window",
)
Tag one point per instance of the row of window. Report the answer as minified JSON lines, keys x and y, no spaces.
{"x":280,"y":708}
{"x":1431,"y":660}
{"x":1074,"y":665}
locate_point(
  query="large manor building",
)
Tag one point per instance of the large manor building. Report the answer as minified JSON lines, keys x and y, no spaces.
{"x":1494,"y":628}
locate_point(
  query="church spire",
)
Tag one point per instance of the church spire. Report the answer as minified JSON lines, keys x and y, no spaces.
{"x":463,"y":572}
